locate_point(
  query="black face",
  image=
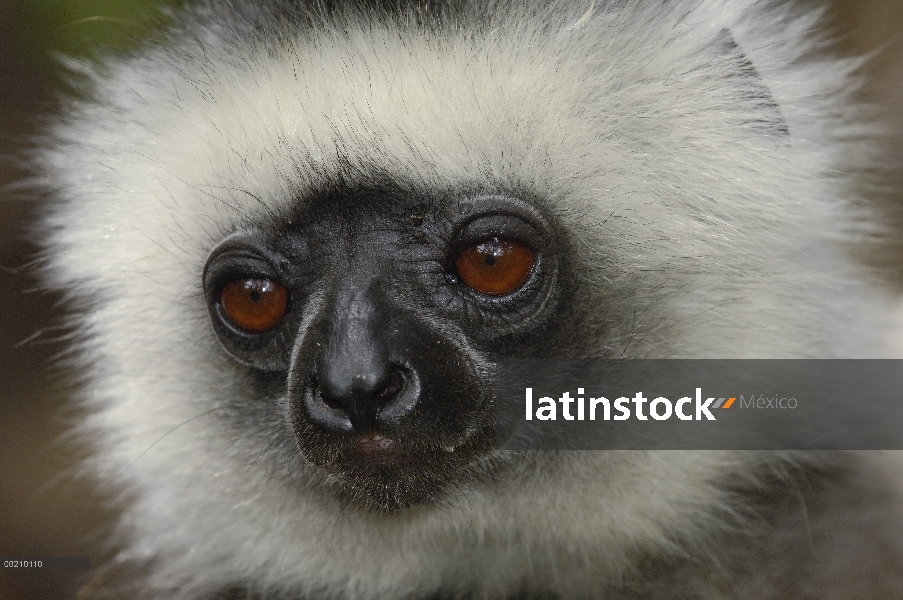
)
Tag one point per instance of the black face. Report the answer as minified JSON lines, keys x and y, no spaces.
{"x":386,"y":317}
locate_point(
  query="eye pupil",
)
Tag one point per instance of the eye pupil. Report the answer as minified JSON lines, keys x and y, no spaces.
{"x":253,"y":305}
{"x":494,"y":267}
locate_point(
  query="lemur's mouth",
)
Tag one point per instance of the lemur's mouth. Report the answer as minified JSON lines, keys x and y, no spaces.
{"x":406,"y":463}
{"x":373,"y":444}
{"x":387,"y":476}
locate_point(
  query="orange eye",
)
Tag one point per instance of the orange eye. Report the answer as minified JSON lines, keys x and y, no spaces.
{"x":254,"y":305}
{"x":495,"y":267}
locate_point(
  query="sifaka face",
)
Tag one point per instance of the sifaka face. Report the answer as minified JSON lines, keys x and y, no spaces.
{"x":382,"y":319}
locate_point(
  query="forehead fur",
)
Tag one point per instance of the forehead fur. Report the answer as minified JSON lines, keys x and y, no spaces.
{"x":224,"y":125}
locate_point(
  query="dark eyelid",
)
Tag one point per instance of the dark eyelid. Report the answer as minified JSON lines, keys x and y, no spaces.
{"x":238,"y":263}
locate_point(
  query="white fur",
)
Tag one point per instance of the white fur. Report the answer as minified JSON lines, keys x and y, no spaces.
{"x":625,"y":117}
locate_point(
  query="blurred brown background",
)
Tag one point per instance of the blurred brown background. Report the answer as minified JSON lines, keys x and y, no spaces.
{"x":44,"y":514}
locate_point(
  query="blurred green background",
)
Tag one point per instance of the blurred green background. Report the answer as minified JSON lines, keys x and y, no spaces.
{"x":79,"y":27}
{"x":43,"y":513}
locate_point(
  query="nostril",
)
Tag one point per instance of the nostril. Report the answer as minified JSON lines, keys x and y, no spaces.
{"x":398,"y":396}
{"x":392,"y":387}
{"x":324,"y":411}
{"x":330,"y":402}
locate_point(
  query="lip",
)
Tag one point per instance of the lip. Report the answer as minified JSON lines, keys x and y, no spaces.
{"x":388,"y":472}
{"x":374,"y":444}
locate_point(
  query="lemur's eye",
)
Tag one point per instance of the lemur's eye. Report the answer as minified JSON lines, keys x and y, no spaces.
{"x":253,"y":305}
{"x":494,"y":267}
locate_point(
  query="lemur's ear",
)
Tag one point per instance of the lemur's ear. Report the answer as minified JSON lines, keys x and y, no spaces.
{"x":752,"y":88}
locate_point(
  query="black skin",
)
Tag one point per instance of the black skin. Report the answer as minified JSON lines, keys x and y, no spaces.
{"x":388,"y":356}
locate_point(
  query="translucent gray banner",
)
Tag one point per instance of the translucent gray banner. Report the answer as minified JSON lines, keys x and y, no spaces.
{"x":700,"y":404}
